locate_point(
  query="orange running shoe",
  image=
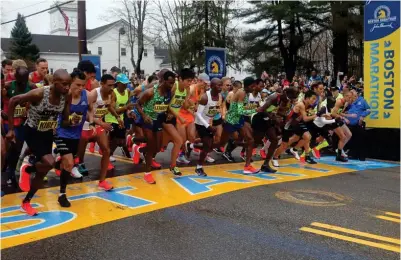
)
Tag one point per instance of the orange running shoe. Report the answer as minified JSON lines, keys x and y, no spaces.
{"x":136,"y":155}
{"x":27,"y":208}
{"x":262,"y":153}
{"x":302,"y":159}
{"x":316,"y":153}
{"x":24,"y":178}
{"x":156,"y":165}
{"x":110,"y":167}
{"x":104,"y":185}
{"x":250,"y":170}
{"x":128,"y":141}
{"x":254,"y":152}
{"x":149,"y":178}
{"x":92,"y":147}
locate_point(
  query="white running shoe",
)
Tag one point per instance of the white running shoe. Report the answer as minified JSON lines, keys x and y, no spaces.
{"x":209,"y":159}
{"x":294,"y":153}
{"x":342,"y":153}
{"x":75,"y":173}
{"x":275,"y":163}
{"x":182,"y":159}
{"x":112,"y":159}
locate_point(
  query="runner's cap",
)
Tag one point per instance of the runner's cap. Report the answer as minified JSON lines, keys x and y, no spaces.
{"x":204,"y":77}
{"x":122,"y":78}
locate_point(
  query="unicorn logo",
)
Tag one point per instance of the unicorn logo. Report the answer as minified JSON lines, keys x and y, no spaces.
{"x":215,"y":67}
{"x":381,"y":14}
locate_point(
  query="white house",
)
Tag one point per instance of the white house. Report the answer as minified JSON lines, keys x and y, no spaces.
{"x":61,"y":50}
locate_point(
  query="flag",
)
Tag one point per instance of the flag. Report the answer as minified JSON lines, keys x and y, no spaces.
{"x":65,"y":17}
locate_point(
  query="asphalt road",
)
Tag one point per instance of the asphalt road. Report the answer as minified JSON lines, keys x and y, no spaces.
{"x":253,"y":223}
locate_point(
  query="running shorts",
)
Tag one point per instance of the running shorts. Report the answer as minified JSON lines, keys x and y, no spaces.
{"x":297,"y":130}
{"x":67,"y":145}
{"x":87,"y":134}
{"x":217,"y":122}
{"x":157,"y":125}
{"x":117,"y":132}
{"x":260,"y":124}
{"x":187,"y":116}
{"x":203,"y":131}
{"x":231,"y":128}
{"x":39,"y":143}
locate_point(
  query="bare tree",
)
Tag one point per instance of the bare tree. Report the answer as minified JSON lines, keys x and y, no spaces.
{"x":140,"y":16}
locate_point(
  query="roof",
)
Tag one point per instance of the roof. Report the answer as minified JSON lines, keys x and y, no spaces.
{"x":93,"y":32}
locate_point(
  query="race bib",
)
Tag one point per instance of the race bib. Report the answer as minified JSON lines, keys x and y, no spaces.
{"x":213,"y":111}
{"x":47,"y":125}
{"x":179,"y":101}
{"x":159,"y":108}
{"x":75,"y":118}
{"x":101,"y":112}
{"x":19,"y":111}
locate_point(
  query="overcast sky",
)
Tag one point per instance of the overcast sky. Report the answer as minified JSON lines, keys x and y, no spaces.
{"x":40,"y":24}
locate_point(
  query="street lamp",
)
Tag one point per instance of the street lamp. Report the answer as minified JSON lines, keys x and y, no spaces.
{"x":121,"y":31}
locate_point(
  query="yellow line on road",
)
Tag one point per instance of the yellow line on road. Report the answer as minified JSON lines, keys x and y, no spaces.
{"x":392,"y":214}
{"x":118,"y":158}
{"x":397,"y":220}
{"x":352,"y":239}
{"x":358,"y":233}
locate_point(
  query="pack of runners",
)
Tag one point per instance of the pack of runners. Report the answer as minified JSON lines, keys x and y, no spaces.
{"x":195,"y":114}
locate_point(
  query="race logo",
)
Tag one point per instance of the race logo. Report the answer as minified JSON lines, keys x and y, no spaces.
{"x":382,"y":18}
{"x":215,"y":65}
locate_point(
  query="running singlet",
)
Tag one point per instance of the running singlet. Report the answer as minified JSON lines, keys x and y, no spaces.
{"x":43,"y":117}
{"x":178,"y":99}
{"x":157,"y":105}
{"x":35,"y":78}
{"x":212,"y":108}
{"x":99,"y":107}
{"x":79,"y":110}
{"x":253,"y":102}
{"x":121,"y":100}
{"x":238,"y":110}
{"x":19,"y":111}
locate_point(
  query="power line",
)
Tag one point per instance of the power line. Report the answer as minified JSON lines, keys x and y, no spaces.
{"x":40,"y":12}
{"x":26,"y":7}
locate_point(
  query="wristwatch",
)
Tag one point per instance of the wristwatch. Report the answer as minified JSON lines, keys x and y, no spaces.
{"x":92,"y":124}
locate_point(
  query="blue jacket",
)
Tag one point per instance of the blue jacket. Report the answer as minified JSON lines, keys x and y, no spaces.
{"x":361,"y":108}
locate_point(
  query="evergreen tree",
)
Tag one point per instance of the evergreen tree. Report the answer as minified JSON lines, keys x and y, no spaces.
{"x":21,"y":43}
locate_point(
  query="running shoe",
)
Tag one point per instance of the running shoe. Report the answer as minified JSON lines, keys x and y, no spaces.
{"x":316,"y":153}
{"x":341,"y":159}
{"x":24,"y":178}
{"x":27,"y":208}
{"x":110,"y":166}
{"x":267,"y":168}
{"x":135,"y":154}
{"x":262,"y":153}
{"x":128,"y":141}
{"x":57,"y":170}
{"x":100,"y":151}
{"x":242,"y":155}
{"x":176,"y":171}
{"x":75,"y":173}
{"x":63,"y":201}
{"x":309,"y":160}
{"x":112,"y":159}
{"x":228,"y":156}
{"x":188,"y":149}
{"x":219,"y":150}
{"x":294,"y":153}
{"x":209,"y":159}
{"x":343,"y":154}
{"x":275,"y":162}
{"x":92,"y":147}
{"x":302,"y":159}
{"x":253,"y":151}
{"x":155,"y":165}
{"x":200,"y":172}
{"x":104,"y":185}
{"x":45,"y":179}
{"x":82,"y":169}
{"x":182,"y":159}
{"x":250,"y":170}
{"x":149,"y":178}
{"x":196,"y":151}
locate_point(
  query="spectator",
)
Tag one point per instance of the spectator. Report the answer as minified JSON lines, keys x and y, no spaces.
{"x":42,"y":68}
{"x":314,"y":77}
{"x":7,"y":69}
{"x":114,"y":71}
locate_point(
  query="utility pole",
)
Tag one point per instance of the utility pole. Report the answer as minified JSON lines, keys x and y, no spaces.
{"x":82,"y":49}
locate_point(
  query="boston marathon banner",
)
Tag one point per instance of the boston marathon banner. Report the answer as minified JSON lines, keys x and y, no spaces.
{"x":95,"y":59}
{"x":215,"y":65}
{"x":382,"y":63}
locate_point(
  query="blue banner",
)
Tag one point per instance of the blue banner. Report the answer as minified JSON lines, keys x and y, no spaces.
{"x":215,"y":65}
{"x":95,"y":59}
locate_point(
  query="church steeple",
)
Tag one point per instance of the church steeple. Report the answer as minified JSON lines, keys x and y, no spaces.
{"x":57,"y":25}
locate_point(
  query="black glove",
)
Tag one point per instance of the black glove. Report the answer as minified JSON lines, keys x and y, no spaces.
{"x":338,"y":120}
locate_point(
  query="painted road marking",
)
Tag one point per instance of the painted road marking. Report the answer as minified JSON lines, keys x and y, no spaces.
{"x":358,"y":233}
{"x":396,"y":220}
{"x":133,"y":196}
{"x":392,"y":214}
{"x":352,"y":239}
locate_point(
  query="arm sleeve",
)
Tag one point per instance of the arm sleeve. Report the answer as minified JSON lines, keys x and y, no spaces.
{"x":199,"y":116}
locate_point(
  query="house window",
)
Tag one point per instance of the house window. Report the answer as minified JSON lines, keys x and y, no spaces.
{"x":99,"y":50}
{"x":89,"y":52}
{"x":145,"y":53}
{"x":123,"y":52}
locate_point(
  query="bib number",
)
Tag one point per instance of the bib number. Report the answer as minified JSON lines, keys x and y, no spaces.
{"x":47,"y":125}
{"x":160,"y":108}
{"x":19,"y":111}
{"x":101,"y":112}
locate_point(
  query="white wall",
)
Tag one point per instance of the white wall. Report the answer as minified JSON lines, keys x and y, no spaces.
{"x":61,"y":61}
{"x":109,"y":58}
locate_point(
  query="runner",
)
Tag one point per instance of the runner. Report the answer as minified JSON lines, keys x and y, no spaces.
{"x":46,"y":104}
{"x":235,"y":122}
{"x":119,"y":101}
{"x":209,"y":106}
{"x":101,"y":99}
{"x":19,"y":86}
{"x":67,"y":139}
{"x":152,"y":106}
{"x":42,"y":68}
{"x":295,"y":128}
